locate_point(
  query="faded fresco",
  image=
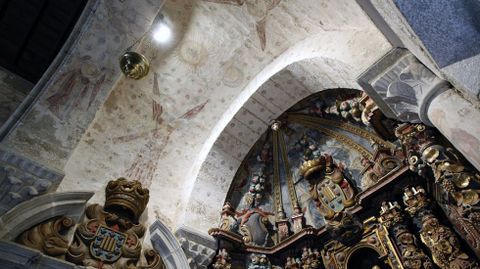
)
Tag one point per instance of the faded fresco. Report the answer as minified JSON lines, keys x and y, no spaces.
{"x":82,"y":82}
{"x":259,"y":11}
{"x":157,"y":129}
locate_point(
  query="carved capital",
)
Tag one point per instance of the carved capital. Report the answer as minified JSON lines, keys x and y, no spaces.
{"x":391,"y":214}
{"x":402,"y":86}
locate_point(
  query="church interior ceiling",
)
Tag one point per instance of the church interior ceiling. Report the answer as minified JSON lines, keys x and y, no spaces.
{"x":212,"y":118}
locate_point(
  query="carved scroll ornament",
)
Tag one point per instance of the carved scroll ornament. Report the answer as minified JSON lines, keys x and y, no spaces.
{"x":48,"y":237}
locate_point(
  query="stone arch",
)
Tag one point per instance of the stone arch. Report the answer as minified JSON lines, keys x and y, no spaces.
{"x":216,"y":166}
{"x":167,"y":246}
{"x":41,"y":208}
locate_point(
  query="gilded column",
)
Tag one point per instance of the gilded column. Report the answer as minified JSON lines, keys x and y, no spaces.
{"x":281,"y":220}
{"x":394,"y":220}
{"x":456,"y":183}
{"x":297,"y":217}
{"x":442,"y":242}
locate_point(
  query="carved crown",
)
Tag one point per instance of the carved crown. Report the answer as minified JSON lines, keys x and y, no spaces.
{"x":309,"y":167}
{"x":125,"y":195}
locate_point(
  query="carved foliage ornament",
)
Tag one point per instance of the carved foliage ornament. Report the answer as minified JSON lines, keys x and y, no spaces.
{"x":458,"y":180}
{"x":442,"y":242}
{"x":393,"y":219}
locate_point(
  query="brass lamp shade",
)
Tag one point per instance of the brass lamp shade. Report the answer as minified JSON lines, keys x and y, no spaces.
{"x":134,"y":65}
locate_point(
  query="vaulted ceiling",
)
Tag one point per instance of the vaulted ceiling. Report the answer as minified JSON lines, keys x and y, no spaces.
{"x":231,"y":67}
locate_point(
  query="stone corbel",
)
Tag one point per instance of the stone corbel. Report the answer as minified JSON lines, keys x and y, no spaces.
{"x":402,"y":87}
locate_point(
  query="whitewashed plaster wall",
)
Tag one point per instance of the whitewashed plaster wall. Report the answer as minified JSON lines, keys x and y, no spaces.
{"x":161,"y":129}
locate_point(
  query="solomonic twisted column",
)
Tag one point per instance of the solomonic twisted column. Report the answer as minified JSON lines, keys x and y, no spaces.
{"x":450,"y":172}
{"x":456,"y":182}
{"x":412,"y":256}
{"x":441,"y":241}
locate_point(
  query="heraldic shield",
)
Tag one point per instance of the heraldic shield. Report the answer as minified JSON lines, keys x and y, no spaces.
{"x":107,"y":245}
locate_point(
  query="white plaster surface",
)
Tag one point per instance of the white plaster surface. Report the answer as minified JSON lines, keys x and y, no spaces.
{"x":213,"y":89}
